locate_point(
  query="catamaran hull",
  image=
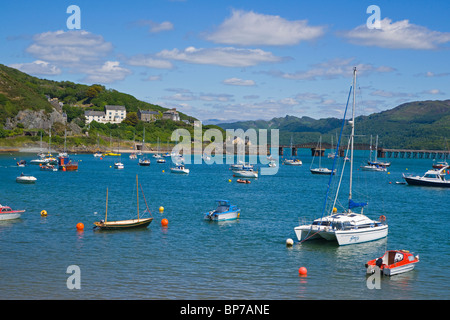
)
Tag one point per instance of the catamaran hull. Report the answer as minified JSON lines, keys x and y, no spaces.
{"x":343,"y":237}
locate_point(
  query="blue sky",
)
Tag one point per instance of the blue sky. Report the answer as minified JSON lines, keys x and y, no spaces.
{"x":238,"y":60}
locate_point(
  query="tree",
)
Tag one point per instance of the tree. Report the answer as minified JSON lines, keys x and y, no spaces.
{"x":94,"y":90}
{"x":131,"y":119}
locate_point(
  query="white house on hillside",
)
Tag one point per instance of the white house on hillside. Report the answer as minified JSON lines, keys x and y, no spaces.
{"x":171,"y":114}
{"x":112,"y":114}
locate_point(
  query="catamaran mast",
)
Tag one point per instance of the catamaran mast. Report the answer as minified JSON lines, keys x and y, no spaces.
{"x":352,"y":136}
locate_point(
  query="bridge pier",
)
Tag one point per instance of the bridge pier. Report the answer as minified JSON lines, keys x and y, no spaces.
{"x":318,"y":152}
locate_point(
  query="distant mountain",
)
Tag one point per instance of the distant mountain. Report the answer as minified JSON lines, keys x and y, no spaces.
{"x":412,"y":125}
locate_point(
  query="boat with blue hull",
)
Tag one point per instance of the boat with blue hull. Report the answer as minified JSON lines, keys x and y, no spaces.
{"x":431,"y":178}
{"x":224,"y":211}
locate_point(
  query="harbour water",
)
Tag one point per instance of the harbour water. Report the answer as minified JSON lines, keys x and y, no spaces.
{"x":195,"y":259}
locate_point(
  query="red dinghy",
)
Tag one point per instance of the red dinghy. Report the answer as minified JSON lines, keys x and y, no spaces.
{"x":393,"y":262}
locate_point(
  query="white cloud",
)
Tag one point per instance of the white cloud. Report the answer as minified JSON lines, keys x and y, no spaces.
{"x":145,"y":60}
{"x":432,"y":91}
{"x":397,"y":35}
{"x":238,"y":82}
{"x":73,"y":46}
{"x":391,"y":94}
{"x":250,"y":28}
{"x":187,"y":95}
{"x":109,"y":72}
{"x":227,"y":57}
{"x":331,"y":69}
{"x":37,"y":67}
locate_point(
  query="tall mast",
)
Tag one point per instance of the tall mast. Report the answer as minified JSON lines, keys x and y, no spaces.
{"x":352,"y":136}
{"x":106,"y":211}
{"x":137,"y":196}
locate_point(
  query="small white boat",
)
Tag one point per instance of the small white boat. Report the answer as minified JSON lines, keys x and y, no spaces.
{"x":26,"y":179}
{"x":98,"y":154}
{"x":322,"y":170}
{"x":224,"y":211}
{"x":6,"y":213}
{"x":247,"y":173}
{"x":21,"y":163}
{"x":373,"y":167}
{"x":179,"y":169}
{"x":144,"y":162}
{"x":293,"y":162}
{"x":161,"y":160}
{"x":118,"y":165}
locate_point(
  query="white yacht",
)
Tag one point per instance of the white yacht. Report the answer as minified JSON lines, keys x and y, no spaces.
{"x":346,"y":227}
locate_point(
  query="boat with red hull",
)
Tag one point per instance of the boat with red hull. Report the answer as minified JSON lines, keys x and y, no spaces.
{"x":393,"y":262}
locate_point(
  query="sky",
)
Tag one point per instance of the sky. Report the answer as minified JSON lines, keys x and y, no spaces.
{"x":238,"y":60}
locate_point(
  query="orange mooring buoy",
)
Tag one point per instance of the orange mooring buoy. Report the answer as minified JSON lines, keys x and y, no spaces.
{"x":80,"y":226}
{"x":164,"y":222}
{"x":302,"y":271}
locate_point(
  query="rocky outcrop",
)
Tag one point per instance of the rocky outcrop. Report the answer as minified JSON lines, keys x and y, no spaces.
{"x":40,"y":120}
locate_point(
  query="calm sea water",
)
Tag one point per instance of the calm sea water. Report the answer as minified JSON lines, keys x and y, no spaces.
{"x":196,"y":259}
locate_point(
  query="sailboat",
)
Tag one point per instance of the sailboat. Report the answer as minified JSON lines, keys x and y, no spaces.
{"x":119,"y":164}
{"x":292,"y":162}
{"x":144,"y":161}
{"x":133,"y":155}
{"x":158,"y":156}
{"x":97,"y":153}
{"x":346,"y":227}
{"x":374,"y":165}
{"x":125,"y":224}
{"x":320,"y":169}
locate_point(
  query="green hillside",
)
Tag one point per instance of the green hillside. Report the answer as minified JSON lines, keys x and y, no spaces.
{"x":412,"y":125}
{"x":20,"y":91}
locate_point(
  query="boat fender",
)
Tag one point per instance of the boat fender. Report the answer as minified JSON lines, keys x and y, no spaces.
{"x":382,"y":218}
{"x":379,"y":262}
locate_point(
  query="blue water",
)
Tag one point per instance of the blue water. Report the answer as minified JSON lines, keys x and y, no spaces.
{"x":196,"y":259}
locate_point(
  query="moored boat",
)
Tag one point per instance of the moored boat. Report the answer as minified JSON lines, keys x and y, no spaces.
{"x":321,"y":170}
{"x":6,"y":213}
{"x":125,"y":224}
{"x":293,"y":162}
{"x":66,"y":164}
{"x":118,"y":165}
{"x":431,"y":178}
{"x":179,"y":168}
{"x":247,"y":173}
{"x":348,"y":226}
{"x":224,"y":211}
{"x":393,"y":262}
{"x":27,"y":179}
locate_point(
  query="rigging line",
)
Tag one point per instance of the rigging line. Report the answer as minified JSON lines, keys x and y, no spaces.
{"x":145,"y":201}
{"x":337,"y":152}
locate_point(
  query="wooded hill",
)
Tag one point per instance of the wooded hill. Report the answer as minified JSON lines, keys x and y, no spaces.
{"x":412,"y":125}
{"x":20,"y":91}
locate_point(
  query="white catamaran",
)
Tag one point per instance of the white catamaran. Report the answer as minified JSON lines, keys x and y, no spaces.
{"x":347,"y":227}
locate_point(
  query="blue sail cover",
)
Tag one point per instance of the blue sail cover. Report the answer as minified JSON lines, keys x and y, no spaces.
{"x":352,"y":204}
